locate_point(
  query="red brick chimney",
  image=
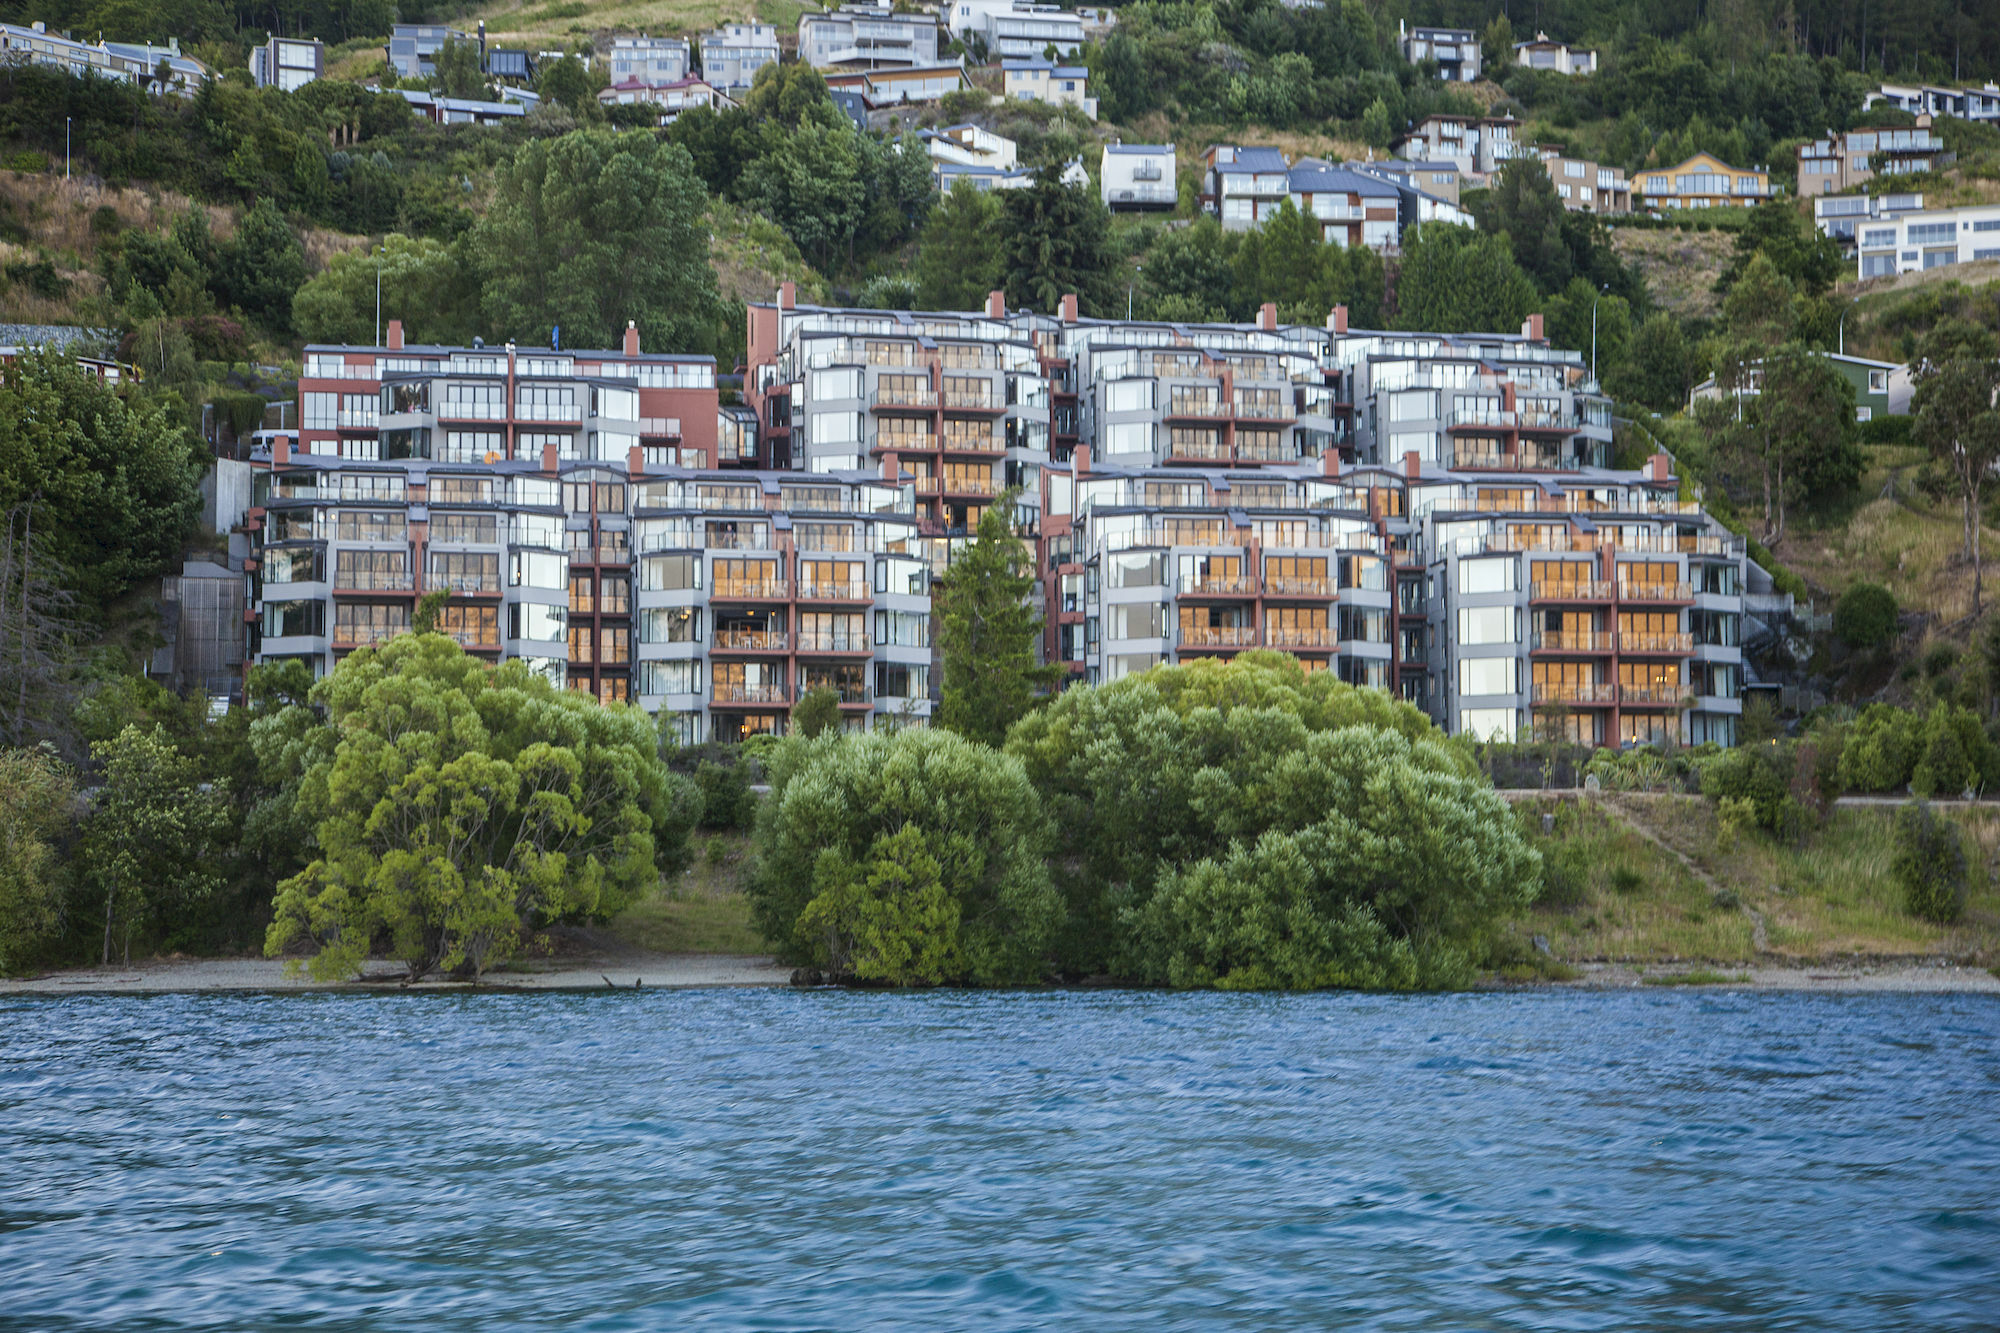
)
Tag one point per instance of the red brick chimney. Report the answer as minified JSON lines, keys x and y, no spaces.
{"x":892,"y":467}
{"x":549,"y":460}
{"x":1661,"y":467}
{"x":395,"y":335}
{"x":996,"y":305}
{"x":1079,"y":459}
{"x":1413,"y":466}
{"x":635,"y":461}
{"x":1531,"y":328}
{"x":1267,"y":317}
{"x":788,"y":295}
{"x":1337,"y":321}
{"x":1329,"y":463}
{"x":1069,"y":308}
{"x":631,"y":338}
{"x":281,"y":450}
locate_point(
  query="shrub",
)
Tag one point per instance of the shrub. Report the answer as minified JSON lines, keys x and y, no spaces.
{"x":726,"y":799}
{"x":1929,"y":863}
{"x":1761,"y":775}
{"x":1865,"y":615}
{"x":1953,"y":753}
{"x":1880,"y":751}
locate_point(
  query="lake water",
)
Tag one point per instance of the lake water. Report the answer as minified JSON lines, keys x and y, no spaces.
{"x":1099,"y":1160}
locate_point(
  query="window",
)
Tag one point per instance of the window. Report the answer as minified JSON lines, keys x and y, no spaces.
{"x":1129,"y":437}
{"x":1128,"y":396}
{"x":471,"y":626}
{"x":465,"y":571}
{"x":363,"y":623}
{"x":1487,"y":624}
{"x":901,"y":629}
{"x":670,"y":677}
{"x":1487,"y":675}
{"x":471,"y":446}
{"x":283,"y":619}
{"x":321,"y":411}
{"x":1487,"y":724}
{"x":536,"y":622}
{"x":1864,"y":413}
{"x":1483,"y":576}
{"x":369,"y":525}
{"x":464,"y":529}
{"x":1135,"y":620}
{"x":539,"y":569}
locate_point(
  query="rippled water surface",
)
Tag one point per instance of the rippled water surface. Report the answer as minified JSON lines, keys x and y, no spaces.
{"x":772,"y":1159}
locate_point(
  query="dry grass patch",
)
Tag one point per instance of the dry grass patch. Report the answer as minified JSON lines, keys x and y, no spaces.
{"x":1909,"y":544}
{"x":1680,"y":267}
{"x":704,"y":910}
{"x":568,"y":19}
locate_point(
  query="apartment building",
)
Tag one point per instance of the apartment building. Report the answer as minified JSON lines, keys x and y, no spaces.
{"x":1244,"y":186}
{"x":670,"y":99}
{"x":1841,"y":162}
{"x":1034,"y":79}
{"x":1350,"y":207}
{"x":898,"y":85}
{"x":1027,"y":31}
{"x":1586,"y":187}
{"x":413,"y":48}
{"x":1703,"y":181}
{"x":1980,"y":104}
{"x":867,"y":37}
{"x":648,"y":60}
{"x":732,"y":54}
{"x":1455,"y":51}
{"x":1556,"y":57}
{"x":127,"y":62}
{"x":288,"y":63}
{"x":1477,"y":146}
{"x":1839,"y":216}
{"x":1137,"y":176}
{"x":1906,"y":242}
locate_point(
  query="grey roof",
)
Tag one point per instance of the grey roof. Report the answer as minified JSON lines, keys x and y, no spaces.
{"x":1335,"y":181}
{"x":1257,"y":160}
{"x":1138,"y":148}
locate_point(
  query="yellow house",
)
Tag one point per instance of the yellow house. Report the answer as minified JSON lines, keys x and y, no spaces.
{"x":1703,"y":181}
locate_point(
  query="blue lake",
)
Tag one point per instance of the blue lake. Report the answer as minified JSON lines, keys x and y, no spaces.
{"x":1098,"y":1160}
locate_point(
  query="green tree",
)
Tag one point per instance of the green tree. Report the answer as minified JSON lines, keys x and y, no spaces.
{"x":817,"y":711}
{"x":1657,"y":370}
{"x":263,"y":265}
{"x":1454,"y":279}
{"x":591,"y":230}
{"x":1523,"y":206}
{"x":459,"y":73}
{"x":1929,"y":863}
{"x":912,"y":855}
{"x":463,"y":804}
{"x":37,"y":800}
{"x":1055,"y":241}
{"x":958,"y":259}
{"x":1806,"y":409}
{"x":1956,"y":418}
{"x":789,"y":96}
{"x":423,"y":284}
{"x":114,"y":483}
{"x":1377,"y":125}
{"x":1865,"y":615}
{"x":1567,"y":318}
{"x":1880,"y":750}
{"x":1784,"y":237}
{"x":988,"y":633}
{"x":813,"y":183}
{"x":570,"y":83}
{"x":152,"y":840}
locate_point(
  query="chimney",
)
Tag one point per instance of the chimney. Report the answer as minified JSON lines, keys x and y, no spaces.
{"x":788,"y":295}
{"x":1079,"y":459}
{"x":996,"y":305}
{"x":631,"y":338}
{"x":281,"y":451}
{"x":1531,"y":328}
{"x":892,"y":467}
{"x":1661,"y":467}
{"x":1069,"y":308}
{"x":395,"y":335}
{"x":1337,"y":321}
{"x":1329,"y":463}
{"x":1413,"y":466}
{"x":1267,"y":317}
{"x":635,"y":462}
{"x":550,"y":463}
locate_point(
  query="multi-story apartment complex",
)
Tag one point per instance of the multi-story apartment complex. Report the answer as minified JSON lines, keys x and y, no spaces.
{"x":1905,"y":242}
{"x":1847,"y":161}
{"x":127,"y":62}
{"x":648,"y":60}
{"x":1455,"y":51}
{"x":1477,"y":145}
{"x":897,"y":85}
{"x":1556,"y":57}
{"x":732,"y":54}
{"x":1703,"y":181}
{"x":1014,"y":28}
{"x":1136,"y":176}
{"x":867,"y":37}
{"x":289,"y":63}
{"x":1979,"y":104}
{"x":1841,"y":215}
{"x":413,"y":48}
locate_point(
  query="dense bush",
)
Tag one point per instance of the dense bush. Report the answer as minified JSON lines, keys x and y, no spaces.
{"x":1763,"y":775}
{"x":1953,"y":753}
{"x":907,"y":856}
{"x":1929,"y":863}
{"x":1865,"y":615}
{"x":1880,"y":750}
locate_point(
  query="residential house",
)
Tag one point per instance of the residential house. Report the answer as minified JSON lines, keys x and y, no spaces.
{"x":1840,"y":215}
{"x":1703,"y":181}
{"x":1038,"y":80}
{"x":1455,"y":51}
{"x":1556,"y":57}
{"x":1477,"y":145}
{"x":1414,"y":203}
{"x":127,"y":62}
{"x":983,"y":178}
{"x":287,"y":63}
{"x":1244,"y":186}
{"x":899,"y":85}
{"x":509,"y":66}
{"x":1841,"y":162}
{"x":1881,"y":388}
{"x":1438,"y":179}
{"x":1029,"y":31}
{"x":413,"y":48}
{"x":461,"y":110}
{"x":670,"y":98}
{"x":1137,"y":176}
{"x":1980,"y":104}
{"x":732,"y":54}
{"x":649,"y":60}
{"x":1912,"y":240}
{"x":1350,"y":208}
{"x":867,"y":37}
{"x":1586,"y":187}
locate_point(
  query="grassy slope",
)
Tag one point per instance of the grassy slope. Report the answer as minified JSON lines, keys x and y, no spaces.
{"x":1830,"y":897}
{"x":705,"y":912}
{"x":1680,"y":267}
{"x":565,"y":20}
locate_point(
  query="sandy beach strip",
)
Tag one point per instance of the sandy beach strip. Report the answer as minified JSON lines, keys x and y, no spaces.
{"x":644,"y":971}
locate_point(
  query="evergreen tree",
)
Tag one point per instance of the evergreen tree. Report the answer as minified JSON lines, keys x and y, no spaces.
{"x":958,"y":262}
{"x":987,"y":632}
{"x":1454,"y":279}
{"x":1055,"y":241}
{"x":1524,"y":206}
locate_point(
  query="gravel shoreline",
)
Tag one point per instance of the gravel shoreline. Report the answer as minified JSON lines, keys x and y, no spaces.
{"x":680,"y":971}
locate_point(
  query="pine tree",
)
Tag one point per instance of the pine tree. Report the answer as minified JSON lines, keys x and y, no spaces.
{"x":987,"y":632}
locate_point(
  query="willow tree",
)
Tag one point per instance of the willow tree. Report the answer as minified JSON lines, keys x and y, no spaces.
{"x":464,"y":804}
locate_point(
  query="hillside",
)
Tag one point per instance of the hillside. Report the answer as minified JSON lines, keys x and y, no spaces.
{"x":1680,"y":267}
{"x":565,"y":20}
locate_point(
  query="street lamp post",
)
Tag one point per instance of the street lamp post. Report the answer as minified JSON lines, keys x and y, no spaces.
{"x":1136,"y":270}
{"x":1843,"y":323}
{"x":66,"y":122}
{"x":378,"y":296}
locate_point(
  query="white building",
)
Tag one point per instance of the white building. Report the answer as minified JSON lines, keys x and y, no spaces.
{"x":657,"y":60}
{"x":670,"y":98}
{"x":1926,"y":238}
{"x":1841,"y":215}
{"x":1038,"y":80}
{"x":969,"y":145}
{"x":1977,"y":104}
{"x":1556,"y":57}
{"x":732,"y":54}
{"x":1134,"y":176}
{"x":287,"y":62}
{"x":866,"y":37}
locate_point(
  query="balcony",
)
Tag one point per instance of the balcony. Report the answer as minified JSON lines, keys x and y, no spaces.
{"x":727,"y":692}
{"x":1655,"y":592}
{"x":1297,"y":587}
{"x":1570,"y":590}
{"x":849,"y":694}
{"x":601,"y":555}
{"x":1307,"y":636}
{"x":660,"y":428}
{"x":964,"y":486}
{"x":1219,"y":586}
{"x":750,"y":641}
{"x":1567,"y":692}
{"x":829,"y":641}
{"x":1218,"y":636}
{"x":988,"y":445}
{"x":919,"y":397}
{"x":1185,"y":404}
{"x":542,"y":412}
{"x":372,"y":580}
{"x":1653,"y":696}
{"x":1547,"y":421}
{"x":835,"y":590}
{"x":962,"y":400}
{"x":476,"y":640}
{"x":358,"y":420}
{"x":1640,"y":645}
{"x":459,"y":409}
{"x":1206,"y":450}
{"x":1140,"y":195}
{"x":465,"y":585}
{"x":1487,"y":418}
{"x":365,"y":636}
{"x":730,"y":589}
{"x":1572,"y":641}
{"x":737,"y":541}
